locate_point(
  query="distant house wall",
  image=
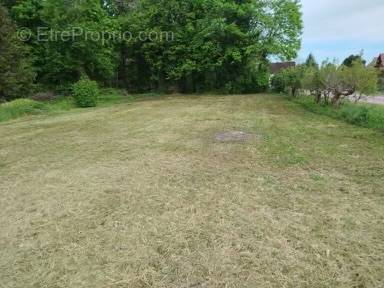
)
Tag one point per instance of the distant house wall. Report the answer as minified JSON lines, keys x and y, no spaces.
{"x":275,"y":68}
{"x":380,"y":65}
{"x":380,"y":62}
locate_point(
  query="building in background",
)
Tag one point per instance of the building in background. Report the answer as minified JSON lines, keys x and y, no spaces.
{"x":277,"y":67}
{"x":380,"y":62}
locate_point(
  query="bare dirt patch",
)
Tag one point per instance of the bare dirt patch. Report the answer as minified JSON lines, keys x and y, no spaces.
{"x":234,"y":136}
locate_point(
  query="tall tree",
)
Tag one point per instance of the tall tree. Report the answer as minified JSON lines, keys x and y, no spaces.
{"x":217,"y":43}
{"x":311,"y":62}
{"x":71,"y":42}
{"x":353,"y":58}
{"x":16,"y":75}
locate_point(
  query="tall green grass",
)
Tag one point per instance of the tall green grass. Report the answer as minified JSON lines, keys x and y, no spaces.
{"x":366,"y":115}
{"x":22,"y":107}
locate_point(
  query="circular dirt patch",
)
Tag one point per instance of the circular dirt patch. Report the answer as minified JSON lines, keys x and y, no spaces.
{"x":233,"y":136}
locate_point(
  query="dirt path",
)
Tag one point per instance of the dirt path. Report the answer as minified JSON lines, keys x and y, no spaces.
{"x":374,"y":100}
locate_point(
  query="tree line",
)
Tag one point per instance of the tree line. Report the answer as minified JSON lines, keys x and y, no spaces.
{"x":217,"y":45}
{"x":328,"y":83}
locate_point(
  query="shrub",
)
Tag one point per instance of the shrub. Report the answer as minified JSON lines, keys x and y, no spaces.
{"x":278,"y":83}
{"x":85,"y":93}
{"x":288,"y":80}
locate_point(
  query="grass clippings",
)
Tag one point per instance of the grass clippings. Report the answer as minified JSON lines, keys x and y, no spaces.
{"x":138,"y":195}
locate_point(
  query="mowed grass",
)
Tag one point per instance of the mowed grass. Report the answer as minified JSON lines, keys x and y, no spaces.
{"x":141,"y":195}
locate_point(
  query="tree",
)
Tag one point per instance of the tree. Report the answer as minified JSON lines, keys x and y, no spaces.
{"x":311,"y":81}
{"x":183,"y":45}
{"x":216,"y":42}
{"x":311,"y":62}
{"x":70,"y":44}
{"x":353,"y":58}
{"x":293,"y":78}
{"x":9,"y":3}
{"x":344,"y":81}
{"x":330,"y":81}
{"x":16,"y":75}
{"x":330,"y":77}
{"x":289,"y":80}
{"x":361,"y":79}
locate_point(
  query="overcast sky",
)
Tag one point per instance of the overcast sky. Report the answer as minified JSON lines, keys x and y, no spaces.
{"x":338,"y":28}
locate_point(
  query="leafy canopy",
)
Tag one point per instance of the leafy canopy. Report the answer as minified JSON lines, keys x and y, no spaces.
{"x":16,"y":74}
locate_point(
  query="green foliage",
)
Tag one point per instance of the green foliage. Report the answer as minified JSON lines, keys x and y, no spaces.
{"x":16,"y":75}
{"x":204,"y":45}
{"x":110,"y":96}
{"x":311,"y":62}
{"x":60,"y":104}
{"x":289,"y":80}
{"x":20,"y":107}
{"x":355,"y":114}
{"x":278,"y":83}
{"x":311,"y":79}
{"x":360,"y":78}
{"x":86,"y":93}
{"x":328,"y":81}
{"x":9,"y":3}
{"x":381,"y":81}
{"x":59,"y":60}
{"x":215,"y":43}
{"x":366,"y":115}
{"x":353,"y":58}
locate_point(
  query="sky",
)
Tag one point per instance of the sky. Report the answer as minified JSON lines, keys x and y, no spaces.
{"x":335,"y":29}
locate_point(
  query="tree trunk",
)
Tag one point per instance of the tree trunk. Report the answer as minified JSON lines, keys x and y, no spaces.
{"x":336,"y":100}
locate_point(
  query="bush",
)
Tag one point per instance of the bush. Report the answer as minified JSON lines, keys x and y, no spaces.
{"x":255,"y":81}
{"x":288,"y":80}
{"x":86,"y":93}
{"x":278,"y":83}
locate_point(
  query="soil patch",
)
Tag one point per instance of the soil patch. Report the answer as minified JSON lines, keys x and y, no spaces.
{"x":233,"y":136}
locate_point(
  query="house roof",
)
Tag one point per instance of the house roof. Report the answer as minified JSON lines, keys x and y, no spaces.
{"x":279,"y":66}
{"x":380,"y":60}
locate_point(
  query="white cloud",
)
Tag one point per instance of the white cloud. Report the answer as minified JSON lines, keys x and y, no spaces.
{"x":338,"y":28}
{"x":343,"y":19}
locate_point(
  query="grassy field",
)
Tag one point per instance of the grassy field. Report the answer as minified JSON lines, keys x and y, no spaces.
{"x":142,"y":195}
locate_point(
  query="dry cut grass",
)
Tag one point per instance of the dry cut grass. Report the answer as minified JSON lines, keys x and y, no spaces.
{"x":142,"y":195}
